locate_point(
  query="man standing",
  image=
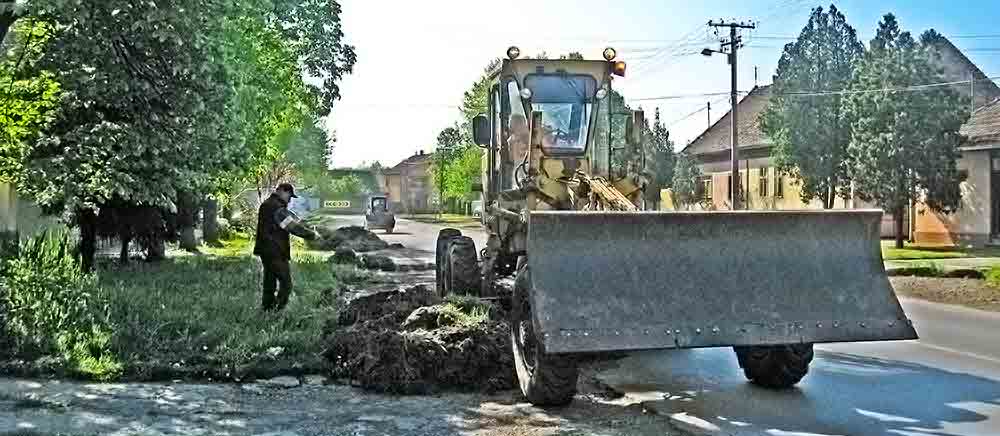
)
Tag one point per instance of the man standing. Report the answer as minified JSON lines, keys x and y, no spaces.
{"x":272,"y":245}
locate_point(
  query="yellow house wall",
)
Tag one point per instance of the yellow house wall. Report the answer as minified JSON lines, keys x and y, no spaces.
{"x":970,"y":224}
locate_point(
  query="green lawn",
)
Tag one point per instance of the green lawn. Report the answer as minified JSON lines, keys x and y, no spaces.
{"x":199,"y":315}
{"x":918,"y":252}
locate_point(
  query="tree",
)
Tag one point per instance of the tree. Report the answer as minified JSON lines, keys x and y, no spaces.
{"x":810,"y":133}
{"x":476,"y":100}
{"x":155,"y":101}
{"x":904,"y":144}
{"x":309,"y":150}
{"x":686,"y":184}
{"x":660,"y":160}
{"x":347,"y":186}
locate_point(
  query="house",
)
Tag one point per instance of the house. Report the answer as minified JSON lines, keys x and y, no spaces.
{"x":977,"y":221}
{"x":410,"y":184}
{"x":21,"y":218}
{"x":765,"y":188}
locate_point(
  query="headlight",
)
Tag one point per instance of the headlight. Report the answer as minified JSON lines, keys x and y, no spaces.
{"x":526,"y":93}
{"x":610,"y":54}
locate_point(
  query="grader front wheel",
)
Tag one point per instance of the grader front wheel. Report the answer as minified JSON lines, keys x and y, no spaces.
{"x":775,"y":366}
{"x":545,"y":379}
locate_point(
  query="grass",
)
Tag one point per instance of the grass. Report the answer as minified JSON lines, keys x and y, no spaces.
{"x":923,"y":252}
{"x":200,"y":314}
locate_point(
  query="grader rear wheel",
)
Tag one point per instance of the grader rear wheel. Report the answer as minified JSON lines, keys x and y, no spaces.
{"x":545,"y":379}
{"x":441,"y":256}
{"x":775,"y":366}
{"x":462,"y":274}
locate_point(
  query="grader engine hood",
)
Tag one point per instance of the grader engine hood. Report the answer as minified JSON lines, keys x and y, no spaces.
{"x":645,"y":280}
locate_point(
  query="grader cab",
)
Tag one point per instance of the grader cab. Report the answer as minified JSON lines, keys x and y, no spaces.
{"x":595,"y":273}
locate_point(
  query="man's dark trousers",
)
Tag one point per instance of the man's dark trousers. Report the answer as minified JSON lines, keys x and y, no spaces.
{"x":277,"y":279}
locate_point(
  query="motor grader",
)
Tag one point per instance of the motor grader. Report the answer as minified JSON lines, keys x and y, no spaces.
{"x":592,"y":272}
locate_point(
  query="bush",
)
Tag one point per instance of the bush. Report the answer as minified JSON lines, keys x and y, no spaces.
{"x":51,"y":306}
{"x":993,"y":277}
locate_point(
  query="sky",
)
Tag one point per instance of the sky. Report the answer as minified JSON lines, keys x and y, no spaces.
{"x":416,"y":59}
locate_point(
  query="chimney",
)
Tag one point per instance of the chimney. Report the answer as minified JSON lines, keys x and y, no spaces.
{"x":421,"y":152}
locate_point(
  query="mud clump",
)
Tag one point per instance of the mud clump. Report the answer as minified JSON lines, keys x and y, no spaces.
{"x":347,"y":238}
{"x":345,"y":256}
{"x":408,"y":341}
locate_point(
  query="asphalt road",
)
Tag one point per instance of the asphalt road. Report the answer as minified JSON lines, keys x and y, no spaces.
{"x":946,"y":383}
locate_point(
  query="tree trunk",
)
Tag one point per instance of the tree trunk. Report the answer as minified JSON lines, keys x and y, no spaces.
{"x":210,"y":221}
{"x":7,"y":17}
{"x":188,"y":242}
{"x":156,"y":250}
{"x":897,"y":218}
{"x":188,"y":206}
{"x":87,"y":221}
{"x":126,"y":240}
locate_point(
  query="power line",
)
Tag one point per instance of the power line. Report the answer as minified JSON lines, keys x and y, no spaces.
{"x":890,"y":89}
{"x":681,"y":96}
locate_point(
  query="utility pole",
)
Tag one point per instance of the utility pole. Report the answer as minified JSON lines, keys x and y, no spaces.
{"x":709,"y":115}
{"x":733,"y":43}
{"x":972,"y":90}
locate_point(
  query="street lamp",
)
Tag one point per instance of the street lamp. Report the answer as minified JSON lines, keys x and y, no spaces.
{"x":708,"y":52}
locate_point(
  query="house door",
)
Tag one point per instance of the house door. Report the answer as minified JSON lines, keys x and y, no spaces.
{"x":994,"y":194}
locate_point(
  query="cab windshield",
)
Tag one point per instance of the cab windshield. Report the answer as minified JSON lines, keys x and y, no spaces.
{"x":566,"y":103}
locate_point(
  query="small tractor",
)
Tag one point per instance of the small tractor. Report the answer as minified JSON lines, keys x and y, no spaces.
{"x":594,"y":273}
{"x":378,"y":215}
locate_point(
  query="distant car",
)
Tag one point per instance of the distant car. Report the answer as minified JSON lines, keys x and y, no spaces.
{"x":378,"y":215}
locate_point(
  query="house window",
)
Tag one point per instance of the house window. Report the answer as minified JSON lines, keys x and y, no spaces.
{"x":706,"y":188}
{"x":729,"y":186}
{"x":779,"y":184}
{"x":762,"y":183}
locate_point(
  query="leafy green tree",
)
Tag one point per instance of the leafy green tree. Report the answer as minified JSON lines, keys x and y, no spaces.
{"x":309,"y":150}
{"x":347,"y":186}
{"x":904,"y":144}
{"x":29,"y":98}
{"x":686,"y":186}
{"x":660,"y":160}
{"x":476,"y":100}
{"x":157,"y":100}
{"x":810,"y":133}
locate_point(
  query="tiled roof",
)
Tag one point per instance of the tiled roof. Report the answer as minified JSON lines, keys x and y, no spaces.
{"x":984,"y":126}
{"x":717,"y":138}
{"x":412,"y":160}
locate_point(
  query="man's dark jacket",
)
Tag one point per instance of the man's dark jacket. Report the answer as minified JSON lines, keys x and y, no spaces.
{"x":272,"y":240}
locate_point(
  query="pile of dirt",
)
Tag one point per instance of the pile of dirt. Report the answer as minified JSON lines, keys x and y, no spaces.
{"x":435,"y":350}
{"x":974,"y":293}
{"x":347,"y":238}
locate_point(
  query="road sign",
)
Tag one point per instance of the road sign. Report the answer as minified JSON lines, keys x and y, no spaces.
{"x":338,"y":204}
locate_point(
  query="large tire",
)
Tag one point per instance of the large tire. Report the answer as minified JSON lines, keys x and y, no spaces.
{"x":463,"y":276}
{"x":775,"y":366}
{"x":441,"y":256}
{"x":545,"y":379}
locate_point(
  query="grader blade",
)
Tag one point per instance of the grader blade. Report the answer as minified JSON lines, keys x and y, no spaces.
{"x":646,"y":280}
